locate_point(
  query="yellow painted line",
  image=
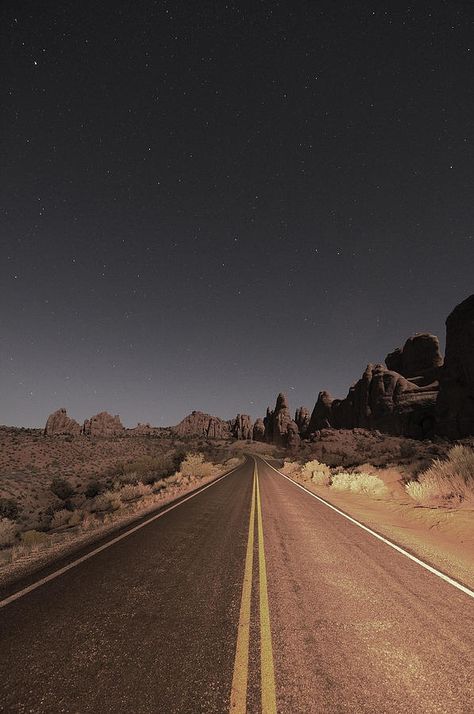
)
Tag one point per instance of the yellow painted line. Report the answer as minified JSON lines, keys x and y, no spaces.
{"x":238,"y":696}
{"x":266,"y":650}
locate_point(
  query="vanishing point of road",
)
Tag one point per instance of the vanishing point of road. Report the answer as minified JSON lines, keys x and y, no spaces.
{"x":249,"y":596}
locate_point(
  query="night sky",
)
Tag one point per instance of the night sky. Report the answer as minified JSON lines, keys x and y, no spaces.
{"x":206,"y":203}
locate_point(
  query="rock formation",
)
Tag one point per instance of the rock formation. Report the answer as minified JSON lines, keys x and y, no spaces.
{"x":302,"y":420}
{"x":259,"y":430}
{"x":382,"y":399}
{"x":103,"y":425}
{"x":241,"y":427}
{"x":59,"y":423}
{"x":280,"y":428}
{"x":419,"y":360}
{"x":200,"y":424}
{"x":455,"y":406}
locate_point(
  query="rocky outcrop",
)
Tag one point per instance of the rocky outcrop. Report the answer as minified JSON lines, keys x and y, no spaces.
{"x":59,"y":423}
{"x":302,"y":420}
{"x":241,"y":427}
{"x":381,"y":399}
{"x":103,"y":425}
{"x":455,"y":405}
{"x":200,"y":424}
{"x":420,"y":359}
{"x":259,"y":430}
{"x":321,"y":414}
{"x":280,"y":429}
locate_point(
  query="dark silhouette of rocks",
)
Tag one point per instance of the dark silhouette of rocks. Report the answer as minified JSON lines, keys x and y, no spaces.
{"x":259,"y":430}
{"x":200,"y":424}
{"x":103,"y":425}
{"x":321,"y":414}
{"x":302,"y":420}
{"x":242,"y":427}
{"x":455,"y":405}
{"x":420,"y":359}
{"x":280,"y":429}
{"x":381,"y":399}
{"x":59,"y":423}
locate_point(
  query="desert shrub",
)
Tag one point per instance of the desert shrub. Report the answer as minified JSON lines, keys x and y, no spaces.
{"x":194,"y":465}
{"x":8,"y":508}
{"x":367,"y":484}
{"x":93,"y":489}
{"x":158,"y":485}
{"x":61,"y":488}
{"x":291,"y":468}
{"x":107,"y":501}
{"x":8,"y":531}
{"x":33,"y":538}
{"x":316,"y":472}
{"x":448,"y":481}
{"x":130,"y":492}
{"x":60,"y":518}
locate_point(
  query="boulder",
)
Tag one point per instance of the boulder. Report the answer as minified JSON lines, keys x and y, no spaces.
{"x":259,"y":430}
{"x":103,"y":425}
{"x":241,"y":427}
{"x":201,"y":424}
{"x":455,"y":404}
{"x":59,"y":423}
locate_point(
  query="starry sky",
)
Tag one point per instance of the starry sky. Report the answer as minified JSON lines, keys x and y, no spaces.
{"x":206,"y":203}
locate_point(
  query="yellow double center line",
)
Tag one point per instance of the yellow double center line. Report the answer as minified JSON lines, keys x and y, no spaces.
{"x":238,"y":698}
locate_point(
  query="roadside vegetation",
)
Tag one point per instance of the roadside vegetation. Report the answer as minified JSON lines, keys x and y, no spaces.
{"x":447,"y":482}
{"x":126,"y":491}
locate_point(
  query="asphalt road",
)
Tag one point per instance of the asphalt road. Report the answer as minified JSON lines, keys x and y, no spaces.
{"x":251,"y":596}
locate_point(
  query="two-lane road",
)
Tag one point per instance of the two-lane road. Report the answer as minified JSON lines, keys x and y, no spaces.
{"x":249,"y":596}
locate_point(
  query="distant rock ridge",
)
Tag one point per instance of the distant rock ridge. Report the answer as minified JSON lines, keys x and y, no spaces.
{"x":59,"y":423}
{"x":414,"y":394}
{"x":103,"y":424}
{"x":201,"y":424}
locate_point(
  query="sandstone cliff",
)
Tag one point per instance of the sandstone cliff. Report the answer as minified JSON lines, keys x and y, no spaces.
{"x":59,"y":423}
{"x":455,"y":405}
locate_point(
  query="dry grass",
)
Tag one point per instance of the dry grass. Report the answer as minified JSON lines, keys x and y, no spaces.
{"x":315,"y":471}
{"x":448,"y":482}
{"x":363,"y":483}
{"x":8,"y":531}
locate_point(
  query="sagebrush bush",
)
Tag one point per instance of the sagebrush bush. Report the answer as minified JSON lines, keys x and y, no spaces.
{"x":107,"y":501}
{"x":450,"y":481}
{"x":61,"y":488}
{"x":60,"y":518}
{"x":33,"y":538}
{"x":131,"y":492}
{"x":367,"y":484}
{"x":8,"y":531}
{"x":194,"y":465}
{"x":8,"y":508}
{"x":291,"y":468}
{"x":315,"y":471}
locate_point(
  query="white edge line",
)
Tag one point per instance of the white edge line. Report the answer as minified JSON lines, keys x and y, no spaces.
{"x":396,"y":547}
{"x":72,"y":564}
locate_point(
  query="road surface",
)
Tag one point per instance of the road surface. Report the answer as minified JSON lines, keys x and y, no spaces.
{"x":251,"y":596}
